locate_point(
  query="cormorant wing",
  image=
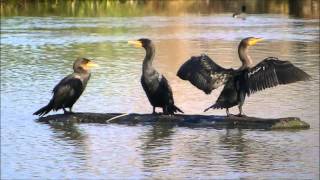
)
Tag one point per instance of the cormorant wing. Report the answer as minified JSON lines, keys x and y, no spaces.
{"x":271,"y":72}
{"x":168,"y":96}
{"x":69,"y":88}
{"x":166,"y":89}
{"x":204,"y":73}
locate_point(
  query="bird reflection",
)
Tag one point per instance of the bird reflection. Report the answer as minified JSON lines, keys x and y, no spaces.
{"x":234,"y":141}
{"x":157,"y":145}
{"x":68,"y":131}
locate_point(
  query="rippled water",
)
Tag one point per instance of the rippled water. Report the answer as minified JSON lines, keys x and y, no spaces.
{"x":36,"y":52}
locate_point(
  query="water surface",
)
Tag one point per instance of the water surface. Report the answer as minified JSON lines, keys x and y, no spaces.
{"x":36,"y":52}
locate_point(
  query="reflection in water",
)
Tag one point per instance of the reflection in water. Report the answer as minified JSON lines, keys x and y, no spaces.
{"x":156,"y":146}
{"x":71,"y":135}
{"x":36,"y":52}
{"x":234,"y":141}
{"x":68,"y":131}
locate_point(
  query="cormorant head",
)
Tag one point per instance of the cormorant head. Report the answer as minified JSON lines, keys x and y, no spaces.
{"x":83,"y":65}
{"x":143,"y":42}
{"x":249,"y":41}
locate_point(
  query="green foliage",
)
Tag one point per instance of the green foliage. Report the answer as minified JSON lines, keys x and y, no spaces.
{"x":291,"y":124}
{"x":126,"y":8}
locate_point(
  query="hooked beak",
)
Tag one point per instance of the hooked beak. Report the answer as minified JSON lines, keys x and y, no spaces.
{"x":135,"y":43}
{"x":89,"y":65}
{"x":254,"y":41}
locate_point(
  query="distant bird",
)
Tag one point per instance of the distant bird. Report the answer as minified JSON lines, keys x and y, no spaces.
{"x":155,"y":84}
{"x":206,"y":75}
{"x":242,"y":14}
{"x":69,"y":89}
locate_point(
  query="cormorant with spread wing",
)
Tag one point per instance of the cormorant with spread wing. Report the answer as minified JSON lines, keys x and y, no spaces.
{"x":155,"y":84}
{"x":206,"y":75}
{"x":70,"y":88}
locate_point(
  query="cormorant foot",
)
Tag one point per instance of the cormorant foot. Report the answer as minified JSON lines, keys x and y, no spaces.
{"x":241,"y":115}
{"x":230,"y":115}
{"x":68,"y":112}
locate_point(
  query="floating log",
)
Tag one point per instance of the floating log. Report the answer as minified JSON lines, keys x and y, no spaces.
{"x":179,"y":120}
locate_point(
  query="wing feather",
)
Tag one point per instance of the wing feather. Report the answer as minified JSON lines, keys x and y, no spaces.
{"x":204,"y":73}
{"x":272,"y":72}
{"x":67,"y":91}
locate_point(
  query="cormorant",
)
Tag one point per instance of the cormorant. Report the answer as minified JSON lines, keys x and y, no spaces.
{"x":206,"y":75}
{"x":70,"y":88}
{"x":155,"y":84}
{"x":241,"y":15}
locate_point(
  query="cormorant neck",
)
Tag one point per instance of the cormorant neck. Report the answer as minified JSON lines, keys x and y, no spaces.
{"x":148,"y":59}
{"x":244,"y":56}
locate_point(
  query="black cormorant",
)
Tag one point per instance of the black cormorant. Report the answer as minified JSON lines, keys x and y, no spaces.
{"x":69,"y":89}
{"x":206,"y":75}
{"x":155,"y":84}
{"x":242,"y":14}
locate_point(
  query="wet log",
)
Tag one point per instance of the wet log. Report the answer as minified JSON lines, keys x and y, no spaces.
{"x":213,"y":121}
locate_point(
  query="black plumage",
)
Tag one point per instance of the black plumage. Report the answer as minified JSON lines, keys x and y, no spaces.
{"x":242,"y":14}
{"x":206,"y":75}
{"x":154,"y":84}
{"x":272,"y":72}
{"x":69,"y":89}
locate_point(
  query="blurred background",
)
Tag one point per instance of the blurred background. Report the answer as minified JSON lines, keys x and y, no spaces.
{"x":78,"y":8}
{"x":41,"y":39}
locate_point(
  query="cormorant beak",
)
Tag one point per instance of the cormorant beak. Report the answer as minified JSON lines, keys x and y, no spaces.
{"x":254,"y":41}
{"x":135,"y":43}
{"x":89,"y":65}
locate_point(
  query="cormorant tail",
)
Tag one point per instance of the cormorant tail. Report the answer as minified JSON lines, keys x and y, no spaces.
{"x":177,"y":109}
{"x":44,"y":110}
{"x":214,"y":106}
{"x":173,"y":108}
